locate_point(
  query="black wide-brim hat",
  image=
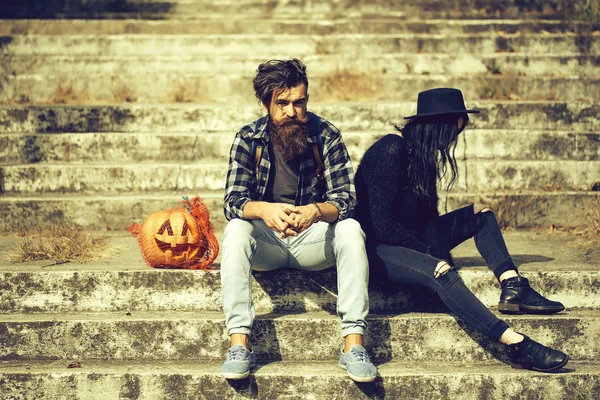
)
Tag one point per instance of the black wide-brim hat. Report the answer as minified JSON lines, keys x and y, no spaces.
{"x":440,"y":101}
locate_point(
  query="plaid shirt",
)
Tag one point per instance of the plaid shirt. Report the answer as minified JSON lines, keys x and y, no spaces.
{"x":243,"y":186}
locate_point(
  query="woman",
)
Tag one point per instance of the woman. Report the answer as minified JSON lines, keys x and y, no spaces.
{"x":410,"y":242}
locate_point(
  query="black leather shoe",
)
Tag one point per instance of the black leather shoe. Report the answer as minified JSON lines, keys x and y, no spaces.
{"x":530,"y":354}
{"x":518,"y":297}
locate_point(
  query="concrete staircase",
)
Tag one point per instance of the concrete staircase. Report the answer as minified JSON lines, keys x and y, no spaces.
{"x":111,"y":110}
{"x":159,"y":334}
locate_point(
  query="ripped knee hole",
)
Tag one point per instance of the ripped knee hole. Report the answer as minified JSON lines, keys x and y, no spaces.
{"x":441,"y":269}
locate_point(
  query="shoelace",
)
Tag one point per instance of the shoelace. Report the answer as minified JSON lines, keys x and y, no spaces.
{"x":361,"y":355}
{"x":237,"y":354}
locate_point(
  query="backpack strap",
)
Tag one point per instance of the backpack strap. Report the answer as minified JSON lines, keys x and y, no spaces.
{"x":256,"y":149}
{"x":315,"y":126}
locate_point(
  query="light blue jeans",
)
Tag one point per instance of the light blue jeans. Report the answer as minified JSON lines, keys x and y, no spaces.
{"x":249,"y":245}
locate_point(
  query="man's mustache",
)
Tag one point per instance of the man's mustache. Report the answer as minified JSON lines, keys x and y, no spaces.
{"x":293,"y":121}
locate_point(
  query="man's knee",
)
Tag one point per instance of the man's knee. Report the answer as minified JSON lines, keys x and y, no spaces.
{"x":349,"y":230}
{"x":237,"y":231}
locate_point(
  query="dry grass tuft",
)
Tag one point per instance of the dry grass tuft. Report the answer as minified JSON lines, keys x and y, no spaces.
{"x":506,"y":209}
{"x":498,"y":93}
{"x":184,"y":94}
{"x":123,"y":94}
{"x":585,"y":10}
{"x":60,"y":243}
{"x":66,"y":94}
{"x":347,"y":85}
{"x":16,"y":99}
{"x":588,"y":236}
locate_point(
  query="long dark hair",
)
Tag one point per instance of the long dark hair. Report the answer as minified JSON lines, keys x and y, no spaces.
{"x":431,"y":144}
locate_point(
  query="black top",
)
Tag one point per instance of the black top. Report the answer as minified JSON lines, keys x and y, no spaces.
{"x":388,"y":209}
{"x":283,"y":180}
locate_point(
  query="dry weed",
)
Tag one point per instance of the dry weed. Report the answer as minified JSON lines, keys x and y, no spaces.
{"x":184,"y":94}
{"x":498,"y":93}
{"x":58,"y":243}
{"x":588,"y":236}
{"x":344,"y":85}
{"x":66,"y":94}
{"x":585,"y":10}
{"x":16,"y":99}
{"x":507,"y":208}
{"x":123,"y":94}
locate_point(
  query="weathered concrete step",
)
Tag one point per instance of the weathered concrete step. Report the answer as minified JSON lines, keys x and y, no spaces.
{"x":244,"y":25}
{"x":320,"y":65}
{"x":75,"y":87}
{"x":524,"y":209}
{"x":110,"y":147}
{"x":299,"y":45}
{"x":192,"y":9}
{"x":479,"y":175}
{"x":346,"y":116}
{"x":176,"y":335}
{"x":105,"y":179}
{"x":108,"y":380}
{"x":134,"y":289}
{"x":120,"y":281}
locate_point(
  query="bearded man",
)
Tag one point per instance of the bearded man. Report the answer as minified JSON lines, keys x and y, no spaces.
{"x":284,"y":212}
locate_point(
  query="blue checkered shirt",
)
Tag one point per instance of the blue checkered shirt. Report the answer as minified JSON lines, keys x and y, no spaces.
{"x":243,"y":186}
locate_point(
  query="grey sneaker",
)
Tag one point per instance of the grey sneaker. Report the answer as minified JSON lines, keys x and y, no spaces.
{"x":359,"y":366}
{"x":238,"y":363}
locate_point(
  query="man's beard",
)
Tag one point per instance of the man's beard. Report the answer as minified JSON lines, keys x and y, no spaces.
{"x":289,"y":137}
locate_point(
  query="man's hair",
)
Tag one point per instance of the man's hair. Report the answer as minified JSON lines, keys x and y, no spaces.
{"x":278,"y":74}
{"x":431,"y":143}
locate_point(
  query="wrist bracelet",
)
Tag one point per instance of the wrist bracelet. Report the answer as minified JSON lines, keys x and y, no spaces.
{"x":320,"y":217}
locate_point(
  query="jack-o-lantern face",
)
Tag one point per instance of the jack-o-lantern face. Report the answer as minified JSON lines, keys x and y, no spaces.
{"x":171,"y":237}
{"x":177,"y":239}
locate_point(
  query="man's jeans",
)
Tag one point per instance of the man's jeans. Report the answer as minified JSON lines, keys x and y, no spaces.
{"x":248,"y":245}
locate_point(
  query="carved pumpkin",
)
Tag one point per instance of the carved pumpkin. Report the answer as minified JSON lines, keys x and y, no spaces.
{"x":178,"y":238}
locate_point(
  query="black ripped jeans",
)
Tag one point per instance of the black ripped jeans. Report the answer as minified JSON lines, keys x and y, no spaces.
{"x":406,"y":266}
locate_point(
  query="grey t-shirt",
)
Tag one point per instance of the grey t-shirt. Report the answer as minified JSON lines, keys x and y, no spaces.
{"x":283,"y":182}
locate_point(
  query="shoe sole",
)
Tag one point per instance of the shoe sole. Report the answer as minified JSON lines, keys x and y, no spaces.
{"x":516,"y":308}
{"x":553,"y":369}
{"x":233,"y":376}
{"x":359,"y":379}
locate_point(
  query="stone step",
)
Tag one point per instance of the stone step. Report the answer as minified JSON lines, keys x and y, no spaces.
{"x":240,"y":24}
{"x":108,"y":380}
{"x":575,"y":116}
{"x":319,"y":65}
{"x":175,"y":335}
{"x":168,"y":147}
{"x":299,"y":45}
{"x":520,"y":210}
{"x":193,"y":9}
{"x":149,"y":87}
{"x":477,"y":175}
{"x":119,"y":281}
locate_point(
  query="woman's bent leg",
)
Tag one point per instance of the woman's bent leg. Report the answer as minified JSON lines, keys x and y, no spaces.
{"x":517,"y":295}
{"x":464,"y":223}
{"x":408,"y":266}
{"x":491,"y":245}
